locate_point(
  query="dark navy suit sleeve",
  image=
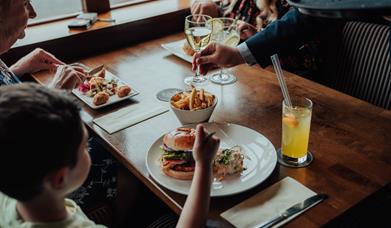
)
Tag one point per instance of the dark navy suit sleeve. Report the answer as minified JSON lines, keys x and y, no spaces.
{"x":285,"y":35}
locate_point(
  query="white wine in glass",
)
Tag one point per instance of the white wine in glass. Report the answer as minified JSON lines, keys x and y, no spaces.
{"x":198,"y":37}
{"x":225,"y":31}
{"x":197,"y":31}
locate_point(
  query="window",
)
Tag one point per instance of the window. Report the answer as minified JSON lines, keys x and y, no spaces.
{"x":48,"y":9}
{"x":120,"y":3}
{"x":117,"y":2}
{"x":51,"y":9}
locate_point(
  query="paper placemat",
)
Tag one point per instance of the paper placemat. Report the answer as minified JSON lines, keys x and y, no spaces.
{"x":269,"y":203}
{"x":129,"y":116}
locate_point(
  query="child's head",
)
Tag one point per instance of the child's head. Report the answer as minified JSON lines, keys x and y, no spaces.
{"x":43,"y":142}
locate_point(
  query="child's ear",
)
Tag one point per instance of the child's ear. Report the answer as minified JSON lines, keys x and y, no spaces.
{"x":57,"y":178}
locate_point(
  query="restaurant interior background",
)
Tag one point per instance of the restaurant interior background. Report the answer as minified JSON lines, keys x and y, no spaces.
{"x":353,"y":172}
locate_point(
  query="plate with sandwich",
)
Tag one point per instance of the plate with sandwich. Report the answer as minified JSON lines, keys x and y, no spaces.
{"x":181,"y":49}
{"x":245,"y":159}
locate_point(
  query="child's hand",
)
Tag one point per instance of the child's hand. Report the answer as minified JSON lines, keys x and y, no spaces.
{"x":205,"y":148}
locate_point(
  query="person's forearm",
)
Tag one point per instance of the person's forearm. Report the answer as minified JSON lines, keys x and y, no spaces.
{"x":196,"y":208}
{"x":18,"y":71}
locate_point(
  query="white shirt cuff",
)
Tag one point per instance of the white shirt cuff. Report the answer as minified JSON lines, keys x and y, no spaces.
{"x":246,"y":54}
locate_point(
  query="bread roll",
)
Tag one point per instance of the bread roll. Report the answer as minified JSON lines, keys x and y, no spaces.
{"x":101,"y":98}
{"x":123,"y":91}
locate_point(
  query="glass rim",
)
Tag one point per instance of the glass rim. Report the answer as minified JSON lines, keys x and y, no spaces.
{"x":302,"y":104}
{"x":227,"y":22}
{"x":194,"y":15}
{"x":224,"y":18}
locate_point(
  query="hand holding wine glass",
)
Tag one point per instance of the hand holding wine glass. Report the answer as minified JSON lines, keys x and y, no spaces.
{"x":225,"y":31}
{"x":216,"y":55}
{"x":198,"y":30}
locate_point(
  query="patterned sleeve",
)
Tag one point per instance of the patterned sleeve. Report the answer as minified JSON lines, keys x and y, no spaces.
{"x":7,"y":77}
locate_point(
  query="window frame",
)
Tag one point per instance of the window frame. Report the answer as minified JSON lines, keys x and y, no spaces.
{"x":71,"y":15}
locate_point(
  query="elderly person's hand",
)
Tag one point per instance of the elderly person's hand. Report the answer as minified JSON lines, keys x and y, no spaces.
{"x":68,"y":77}
{"x":35,"y":61}
{"x":216,"y":55}
{"x":246,"y":30}
{"x":206,"y":7}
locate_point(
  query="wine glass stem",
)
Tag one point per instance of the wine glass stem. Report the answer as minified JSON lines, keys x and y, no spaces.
{"x":197,"y":73}
{"x":222,"y":72}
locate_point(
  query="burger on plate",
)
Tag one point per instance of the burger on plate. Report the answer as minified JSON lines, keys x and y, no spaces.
{"x":177,"y":158}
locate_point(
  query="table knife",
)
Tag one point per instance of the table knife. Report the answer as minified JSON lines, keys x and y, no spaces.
{"x":96,"y":70}
{"x":302,"y":206}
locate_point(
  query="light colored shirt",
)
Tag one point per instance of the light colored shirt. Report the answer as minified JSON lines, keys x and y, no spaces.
{"x":10,"y":218}
{"x":246,"y":54}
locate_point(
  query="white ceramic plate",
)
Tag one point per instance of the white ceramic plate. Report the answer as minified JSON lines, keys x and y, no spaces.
{"x":113,"y":99}
{"x":176,"y":49}
{"x":260,"y":160}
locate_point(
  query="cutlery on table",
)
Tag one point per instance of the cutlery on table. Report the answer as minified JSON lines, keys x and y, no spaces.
{"x":95,"y":70}
{"x":302,"y":206}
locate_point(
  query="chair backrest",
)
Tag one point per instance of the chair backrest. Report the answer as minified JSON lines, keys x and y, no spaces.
{"x":363,"y":63}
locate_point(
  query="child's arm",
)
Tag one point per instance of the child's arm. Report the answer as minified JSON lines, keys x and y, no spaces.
{"x":195,"y":211}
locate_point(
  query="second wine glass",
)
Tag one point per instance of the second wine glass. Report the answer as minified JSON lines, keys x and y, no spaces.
{"x":225,"y":32}
{"x":197,"y":30}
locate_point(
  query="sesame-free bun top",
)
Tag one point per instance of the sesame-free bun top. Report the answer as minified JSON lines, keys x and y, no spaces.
{"x":181,"y":175}
{"x":181,"y":139}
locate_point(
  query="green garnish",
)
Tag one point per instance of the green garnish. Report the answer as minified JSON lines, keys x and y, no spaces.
{"x":225,"y":155}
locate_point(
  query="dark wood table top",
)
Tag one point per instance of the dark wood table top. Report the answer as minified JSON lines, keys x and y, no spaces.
{"x":349,"y":137}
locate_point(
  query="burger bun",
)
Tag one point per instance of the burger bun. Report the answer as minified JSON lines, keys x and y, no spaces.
{"x":181,"y":139}
{"x":178,"y":174}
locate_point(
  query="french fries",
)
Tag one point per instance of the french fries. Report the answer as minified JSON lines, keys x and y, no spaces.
{"x":193,"y":100}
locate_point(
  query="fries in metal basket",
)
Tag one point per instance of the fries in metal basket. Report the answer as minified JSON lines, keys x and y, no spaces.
{"x":193,"y":100}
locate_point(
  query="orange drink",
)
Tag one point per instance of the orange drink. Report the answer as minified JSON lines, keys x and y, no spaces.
{"x":296,"y":122}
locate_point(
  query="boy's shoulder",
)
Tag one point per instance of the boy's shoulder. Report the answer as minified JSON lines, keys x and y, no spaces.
{"x":78,"y":218}
{"x":7,"y":211}
{"x":10,"y":218}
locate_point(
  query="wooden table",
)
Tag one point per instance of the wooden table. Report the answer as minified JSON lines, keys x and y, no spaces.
{"x":349,"y":137}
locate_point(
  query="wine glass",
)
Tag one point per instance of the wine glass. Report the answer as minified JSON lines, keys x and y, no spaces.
{"x":197,"y":31}
{"x":225,"y":31}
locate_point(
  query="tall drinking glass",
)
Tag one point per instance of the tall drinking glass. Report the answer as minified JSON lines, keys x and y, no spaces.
{"x":225,"y":32}
{"x":296,"y":122}
{"x":197,"y":31}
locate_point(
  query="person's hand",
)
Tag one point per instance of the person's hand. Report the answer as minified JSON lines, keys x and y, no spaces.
{"x":246,"y":30}
{"x":206,"y":7}
{"x":205,"y":148}
{"x":35,"y":61}
{"x":216,"y":55}
{"x":68,"y":77}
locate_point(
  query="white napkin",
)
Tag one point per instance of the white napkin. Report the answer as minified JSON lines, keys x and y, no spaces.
{"x":269,"y":203}
{"x":129,"y":116}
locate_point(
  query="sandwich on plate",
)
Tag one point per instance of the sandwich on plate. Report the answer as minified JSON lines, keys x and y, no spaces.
{"x":177,"y":158}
